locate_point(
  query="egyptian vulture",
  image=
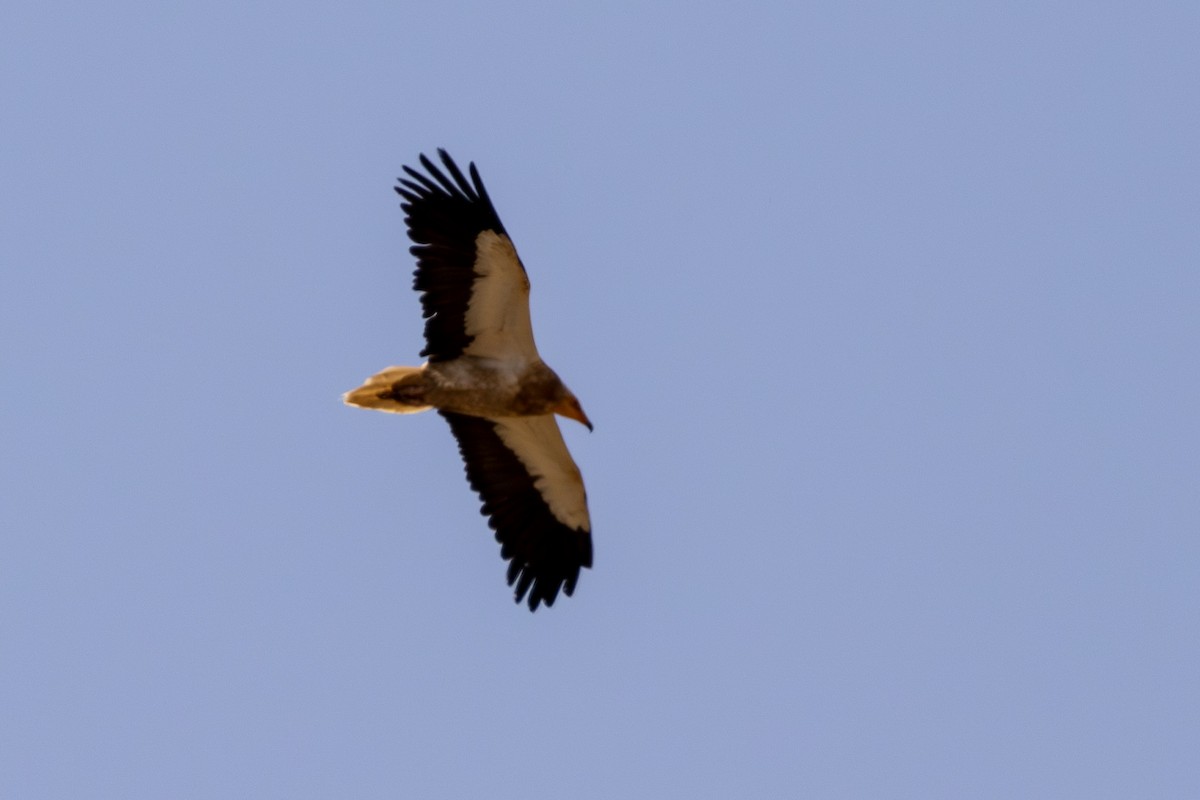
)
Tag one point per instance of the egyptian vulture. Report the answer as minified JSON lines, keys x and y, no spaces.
{"x":485,"y":377}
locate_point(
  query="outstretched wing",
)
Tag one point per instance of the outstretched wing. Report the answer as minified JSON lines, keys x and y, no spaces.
{"x":533,"y":497}
{"x":474,"y":290}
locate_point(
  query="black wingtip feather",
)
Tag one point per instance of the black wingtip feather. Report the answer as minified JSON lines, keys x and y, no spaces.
{"x":445,"y":214}
{"x":544,"y":555}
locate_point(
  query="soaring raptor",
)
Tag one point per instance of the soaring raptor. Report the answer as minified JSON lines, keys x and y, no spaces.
{"x":484,"y":375}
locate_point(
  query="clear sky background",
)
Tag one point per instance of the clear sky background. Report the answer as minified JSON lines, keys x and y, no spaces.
{"x":887,"y":316}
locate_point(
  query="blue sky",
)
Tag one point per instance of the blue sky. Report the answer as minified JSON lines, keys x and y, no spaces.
{"x":887,"y":317}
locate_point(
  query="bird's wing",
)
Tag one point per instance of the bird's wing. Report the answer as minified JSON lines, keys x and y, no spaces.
{"x":533,"y":497}
{"x":474,"y":290}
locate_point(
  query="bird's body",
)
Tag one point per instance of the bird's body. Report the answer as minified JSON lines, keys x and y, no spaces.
{"x":481,"y":387}
{"x":485,"y":377}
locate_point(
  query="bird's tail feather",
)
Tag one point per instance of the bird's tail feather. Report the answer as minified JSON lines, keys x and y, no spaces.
{"x":399,"y":390}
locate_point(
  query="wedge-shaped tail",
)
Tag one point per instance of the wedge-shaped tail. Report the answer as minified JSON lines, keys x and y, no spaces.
{"x":399,"y":390}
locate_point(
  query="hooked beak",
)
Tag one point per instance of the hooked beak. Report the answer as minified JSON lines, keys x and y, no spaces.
{"x":571,"y":409}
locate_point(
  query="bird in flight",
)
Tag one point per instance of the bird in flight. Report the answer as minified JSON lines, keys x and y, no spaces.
{"x":485,"y":377}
